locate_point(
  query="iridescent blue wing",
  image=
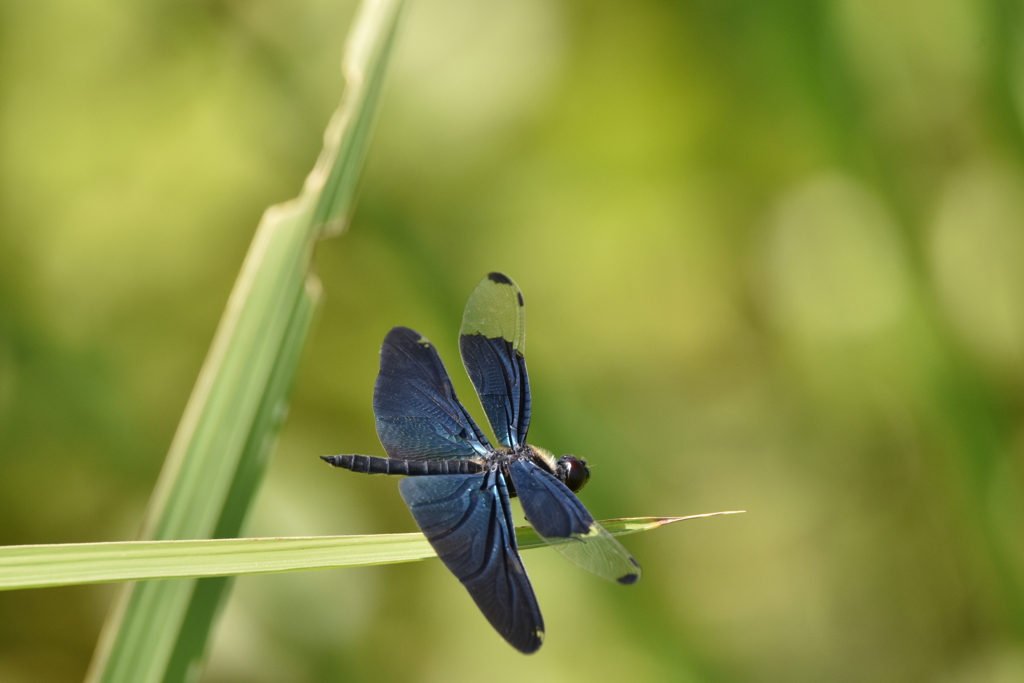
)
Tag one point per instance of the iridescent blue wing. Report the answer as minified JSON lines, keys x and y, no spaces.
{"x":419,"y":417}
{"x":561,"y":519}
{"x":468,"y":521}
{"x":493,"y":343}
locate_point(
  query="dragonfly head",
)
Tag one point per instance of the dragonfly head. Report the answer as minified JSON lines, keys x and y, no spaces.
{"x":572,"y":471}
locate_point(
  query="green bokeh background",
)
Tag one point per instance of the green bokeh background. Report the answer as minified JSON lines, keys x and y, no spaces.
{"x":773,"y":259}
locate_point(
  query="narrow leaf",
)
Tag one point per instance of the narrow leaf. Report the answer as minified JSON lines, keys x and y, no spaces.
{"x":38,"y":566}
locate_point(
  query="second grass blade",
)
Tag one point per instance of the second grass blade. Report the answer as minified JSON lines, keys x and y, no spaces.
{"x":78,"y":563}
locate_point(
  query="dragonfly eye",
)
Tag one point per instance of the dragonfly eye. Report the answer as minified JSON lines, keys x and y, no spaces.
{"x":572,"y":471}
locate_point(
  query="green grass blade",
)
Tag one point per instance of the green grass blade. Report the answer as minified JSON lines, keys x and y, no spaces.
{"x":335,"y":177}
{"x":210,"y":594}
{"x":38,"y":566}
{"x":156,"y":631}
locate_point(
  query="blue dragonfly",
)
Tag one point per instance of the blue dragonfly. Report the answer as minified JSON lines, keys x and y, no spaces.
{"x":458,"y":486}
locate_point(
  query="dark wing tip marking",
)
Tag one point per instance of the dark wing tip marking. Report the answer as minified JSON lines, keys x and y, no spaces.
{"x":630,"y":579}
{"x":530,"y":648}
{"x":501,"y":279}
{"x":520,"y":295}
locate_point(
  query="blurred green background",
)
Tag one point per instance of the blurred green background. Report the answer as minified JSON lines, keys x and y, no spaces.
{"x":773,"y":258}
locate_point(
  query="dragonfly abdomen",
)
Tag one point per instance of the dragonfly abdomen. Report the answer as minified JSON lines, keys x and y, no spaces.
{"x":366,"y":464}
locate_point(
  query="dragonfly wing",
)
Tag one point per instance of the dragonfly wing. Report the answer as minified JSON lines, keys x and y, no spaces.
{"x":468,"y":521}
{"x":492,"y":341}
{"x":561,"y":519}
{"x":419,"y":417}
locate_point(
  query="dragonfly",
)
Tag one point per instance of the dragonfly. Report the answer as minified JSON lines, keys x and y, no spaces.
{"x":458,"y":485}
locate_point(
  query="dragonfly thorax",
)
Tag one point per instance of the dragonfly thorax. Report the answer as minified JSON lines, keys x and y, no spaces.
{"x":568,"y":469}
